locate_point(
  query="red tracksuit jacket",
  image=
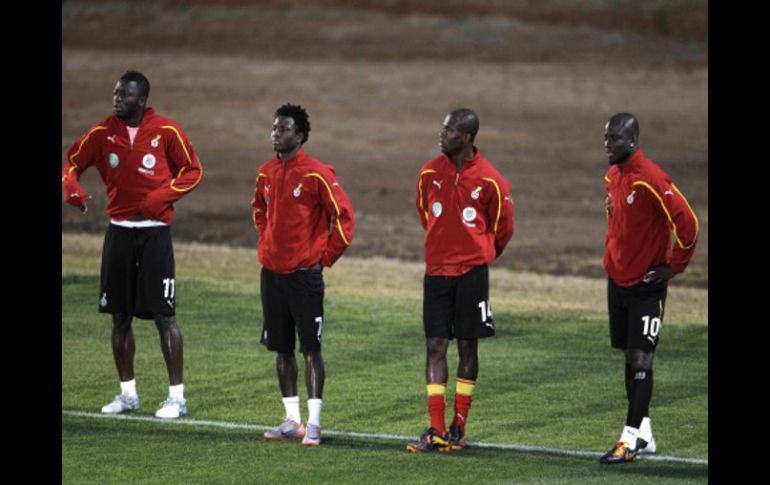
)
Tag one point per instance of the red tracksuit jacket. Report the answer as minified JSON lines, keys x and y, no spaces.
{"x":147,"y":177}
{"x":467,"y":215}
{"x":644,"y":208}
{"x":302,"y":214}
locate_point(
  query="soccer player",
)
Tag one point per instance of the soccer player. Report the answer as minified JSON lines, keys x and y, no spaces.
{"x":146,"y":163}
{"x":305,"y":222}
{"x":466,"y":209}
{"x":644,"y":210}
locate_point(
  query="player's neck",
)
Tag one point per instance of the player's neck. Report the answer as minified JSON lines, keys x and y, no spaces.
{"x":290,"y":154}
{"x":136,"y":119}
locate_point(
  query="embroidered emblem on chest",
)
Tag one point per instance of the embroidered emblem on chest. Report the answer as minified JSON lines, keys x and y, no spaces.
{"x":148,"y":160}
{"x":475,"y":194}
{"x":436,"y":208}
{"x":469,"y":215}
{"x":630,"y":198}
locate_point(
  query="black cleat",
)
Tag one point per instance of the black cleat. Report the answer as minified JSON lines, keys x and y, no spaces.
{"x":621,"y":453}
{"x":429,"y":441}
{"x":456,"y":439}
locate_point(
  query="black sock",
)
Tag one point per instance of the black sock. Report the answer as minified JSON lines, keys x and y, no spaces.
{"x":640,"y":404}
{"x":629,"y":383}
{"x":629,"y":390}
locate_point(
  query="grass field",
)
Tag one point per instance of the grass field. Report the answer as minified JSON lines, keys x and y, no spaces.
{"x":548,"y":379}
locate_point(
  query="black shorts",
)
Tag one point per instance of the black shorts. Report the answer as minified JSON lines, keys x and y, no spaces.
{"x":292,"y":302}
{"x":636,"y":314}
{"x":137,"y":276}
{"x":458,"y":306}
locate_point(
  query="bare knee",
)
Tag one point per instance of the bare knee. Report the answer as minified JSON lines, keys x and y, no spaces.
{"x":437,"y":348}
{"x":285,"y":360}
{"x":468,"y":367}
{"x":166,"y":323}
{"x":121,"y":320}
{"x":121,"y":325}
{"x":313,"y":358}
{"x":467,"y":349}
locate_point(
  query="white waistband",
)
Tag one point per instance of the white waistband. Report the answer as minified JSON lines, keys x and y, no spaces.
{"x":144,"y":223}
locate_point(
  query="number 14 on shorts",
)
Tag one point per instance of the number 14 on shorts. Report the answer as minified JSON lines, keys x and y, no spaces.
{"x":486,"y":313}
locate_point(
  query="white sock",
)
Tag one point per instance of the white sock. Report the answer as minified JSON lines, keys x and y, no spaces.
{"x":292,"y":408}
{"x":645,"y":430}
{"x":629,"y":436}
{"x":314,"y":411}
{"x":177,"y":392}
{"x":128,"y":387}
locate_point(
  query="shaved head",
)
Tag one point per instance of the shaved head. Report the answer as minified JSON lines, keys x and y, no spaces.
{"x":626,"y":123}
{"x":466,"y":121}
{"x":621,"y":137}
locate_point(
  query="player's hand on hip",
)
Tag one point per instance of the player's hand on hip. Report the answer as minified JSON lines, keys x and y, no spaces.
{"x":658,"y":274}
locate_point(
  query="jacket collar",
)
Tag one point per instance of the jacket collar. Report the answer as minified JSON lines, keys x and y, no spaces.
{"x":148,"y":114}
{"x":632,"y":162}
{"x":468,"y":161}
{"x":297,"y":156}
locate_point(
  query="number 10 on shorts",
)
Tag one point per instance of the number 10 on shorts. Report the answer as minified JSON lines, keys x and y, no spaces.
{"x":651,"y":326}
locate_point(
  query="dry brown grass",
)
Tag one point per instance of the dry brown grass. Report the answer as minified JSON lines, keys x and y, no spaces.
{"x":512,"y":291}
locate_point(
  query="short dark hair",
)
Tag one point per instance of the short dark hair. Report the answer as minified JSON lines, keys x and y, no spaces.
{"x":141,"y":82}
{"x":300,"y":117}
{"x":467,"y":121}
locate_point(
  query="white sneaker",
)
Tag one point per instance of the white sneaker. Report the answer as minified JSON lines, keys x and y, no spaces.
{"x":172,"y":408}
{"x":122,"y":403}
{"x":646,"y":443}
{"x":287,"y":429}
{"x":312,"y":435}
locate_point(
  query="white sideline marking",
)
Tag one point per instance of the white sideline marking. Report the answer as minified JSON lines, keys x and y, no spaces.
{"x":382,"y":436}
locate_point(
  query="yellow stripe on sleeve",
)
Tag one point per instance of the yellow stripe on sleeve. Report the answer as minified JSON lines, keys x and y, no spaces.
{"x":668,"y":215}
{"x":419,"y":188}
{"x":189,"y":162}
{"x":181,"y":142}
{"x":334,"y":201}
{"x":83,"y":142}
{"x":697,"y":224}
{"x":499,"y":200}
{"x":200,"y":176}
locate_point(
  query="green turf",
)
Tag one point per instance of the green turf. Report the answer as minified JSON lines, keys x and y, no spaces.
{"x":548,"y":380}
